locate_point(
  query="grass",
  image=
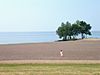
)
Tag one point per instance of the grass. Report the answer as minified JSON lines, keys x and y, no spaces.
{"x":49,"y":69}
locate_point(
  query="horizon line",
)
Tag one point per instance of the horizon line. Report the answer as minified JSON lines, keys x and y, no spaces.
{"x":40,"y":31}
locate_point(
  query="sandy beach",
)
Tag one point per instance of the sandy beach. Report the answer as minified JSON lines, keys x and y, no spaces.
{"x":88,"y":49}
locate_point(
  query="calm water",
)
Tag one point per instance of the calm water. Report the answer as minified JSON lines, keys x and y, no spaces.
{"x":31,"y":37}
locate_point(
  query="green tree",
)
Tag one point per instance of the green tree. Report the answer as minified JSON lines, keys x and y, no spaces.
{"x":75,"y":30}
{"x":61,"y":31}
{"x":69,"y":30}
{"x":64,"y":31}
{"x":84,"y":29}
{"x":88,"y":28}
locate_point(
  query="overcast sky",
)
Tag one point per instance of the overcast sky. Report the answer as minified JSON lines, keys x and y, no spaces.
{"x":46,"y":15}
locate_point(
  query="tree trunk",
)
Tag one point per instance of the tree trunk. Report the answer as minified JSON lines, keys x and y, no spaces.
{"x":86,"y":35}
{"x":82,"y":36}
{"x":74,"y":37}
{"x":70,"y":38}
{"x":64,"y":38}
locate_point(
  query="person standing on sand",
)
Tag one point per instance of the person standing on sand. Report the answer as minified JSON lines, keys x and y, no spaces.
{"x":61,"y":53}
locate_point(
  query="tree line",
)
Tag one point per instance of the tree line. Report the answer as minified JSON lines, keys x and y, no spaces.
{"x":68,"y":31}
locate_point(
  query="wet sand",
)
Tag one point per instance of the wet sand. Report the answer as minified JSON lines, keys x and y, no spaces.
{"x":73,"y":50}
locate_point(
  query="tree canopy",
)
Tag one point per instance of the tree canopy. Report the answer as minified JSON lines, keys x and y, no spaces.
{"x":68,"y":31}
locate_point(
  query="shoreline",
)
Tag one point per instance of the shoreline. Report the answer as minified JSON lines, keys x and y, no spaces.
{"x":73,"y":50}
{"x":86,"y":39}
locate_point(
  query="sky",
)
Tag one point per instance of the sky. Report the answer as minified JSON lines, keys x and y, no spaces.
{"x":46,"y":15}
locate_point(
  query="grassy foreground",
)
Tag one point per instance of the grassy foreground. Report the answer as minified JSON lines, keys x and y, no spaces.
{"x":49,"y":69}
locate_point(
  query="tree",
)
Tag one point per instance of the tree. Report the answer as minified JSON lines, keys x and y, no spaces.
{"x":64,"y":31}
{"x":84,"y":29}
{"x":88,"y":28}
{"x":75,"y":30}
{"x":61,"y":31}
{"x":69,"y":30}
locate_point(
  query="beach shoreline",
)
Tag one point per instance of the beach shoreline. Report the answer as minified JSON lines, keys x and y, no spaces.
{"x":87,"y":49}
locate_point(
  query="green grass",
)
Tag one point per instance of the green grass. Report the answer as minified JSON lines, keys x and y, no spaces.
{"x":49,"y":69}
